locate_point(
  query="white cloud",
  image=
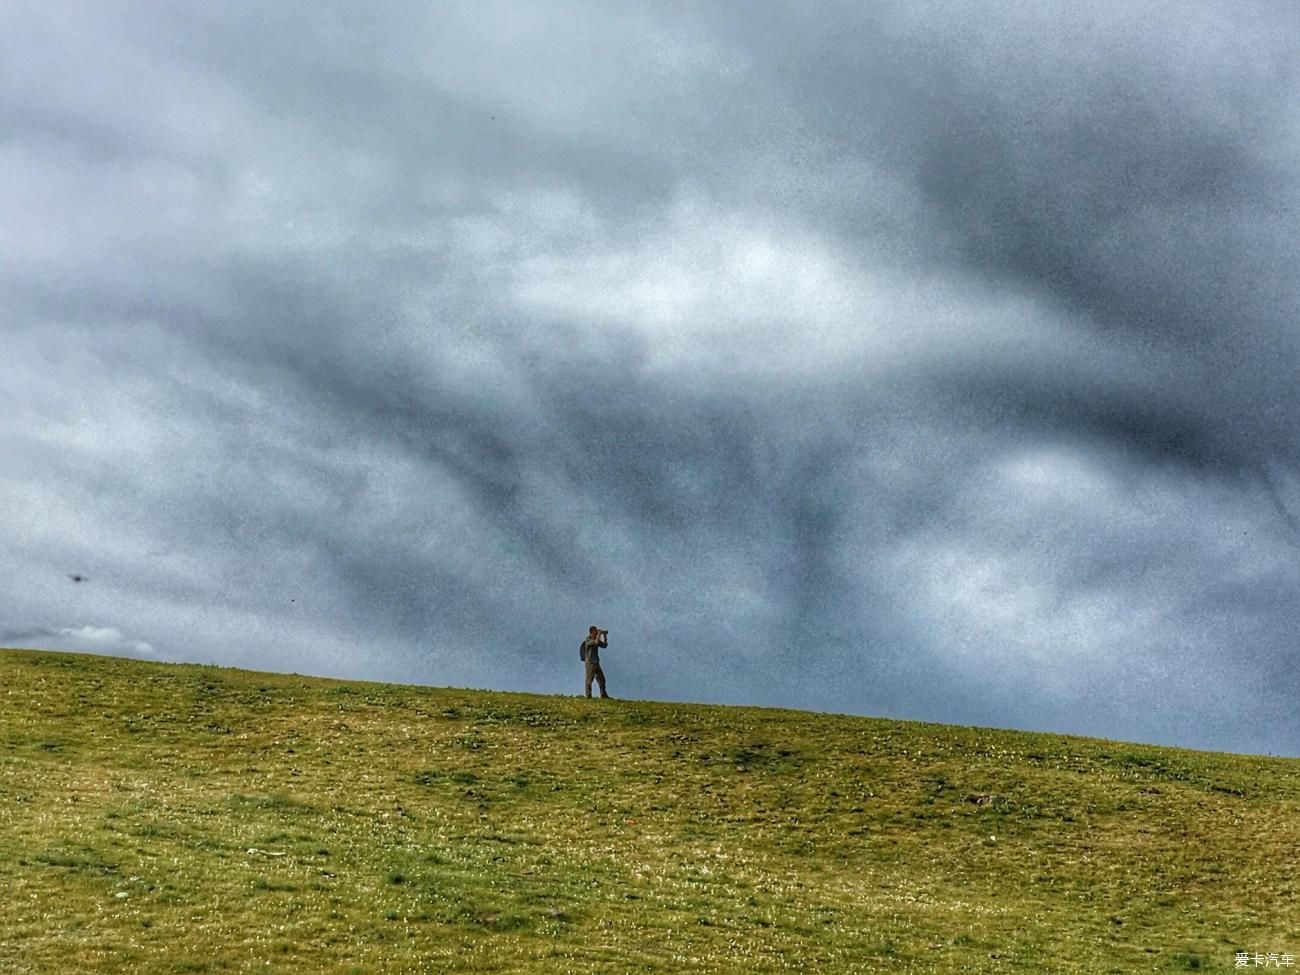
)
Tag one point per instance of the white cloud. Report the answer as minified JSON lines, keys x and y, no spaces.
{"x":80,"y":639}
{"x":1055,"y":558}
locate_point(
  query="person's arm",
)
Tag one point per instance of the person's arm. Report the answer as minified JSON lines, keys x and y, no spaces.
{"x":604,"y":639}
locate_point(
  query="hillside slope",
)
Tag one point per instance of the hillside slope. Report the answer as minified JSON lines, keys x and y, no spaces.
{"x":167,"y":818}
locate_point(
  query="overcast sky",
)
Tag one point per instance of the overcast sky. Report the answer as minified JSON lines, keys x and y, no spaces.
{"x":926,"y":360}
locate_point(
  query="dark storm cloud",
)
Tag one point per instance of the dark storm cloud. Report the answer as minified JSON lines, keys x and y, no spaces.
{"x":928,"y":361}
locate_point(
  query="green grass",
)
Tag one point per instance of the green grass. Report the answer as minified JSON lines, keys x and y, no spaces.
{"x":164,"y":818}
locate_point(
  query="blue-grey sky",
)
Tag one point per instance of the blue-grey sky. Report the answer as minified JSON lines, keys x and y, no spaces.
{"x":926,"y":360}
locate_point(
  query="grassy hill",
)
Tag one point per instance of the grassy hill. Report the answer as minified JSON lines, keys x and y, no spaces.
{"x":165,"y":818}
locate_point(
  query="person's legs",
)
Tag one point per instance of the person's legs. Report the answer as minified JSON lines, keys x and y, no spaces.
{"x":591,"y":672}
{"x":600,"y":679}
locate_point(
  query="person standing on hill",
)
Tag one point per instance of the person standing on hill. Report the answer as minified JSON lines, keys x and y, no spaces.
{"x":589,"y":651}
